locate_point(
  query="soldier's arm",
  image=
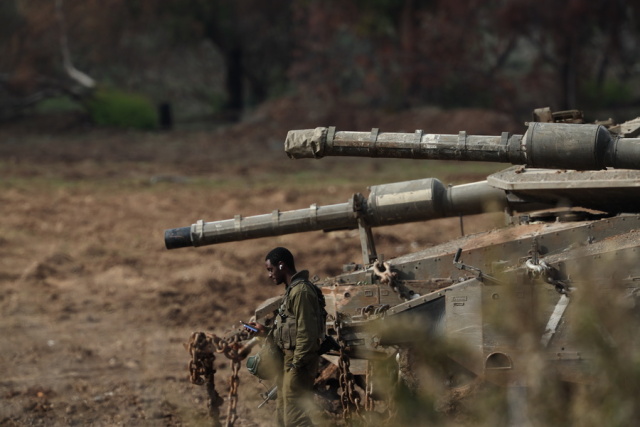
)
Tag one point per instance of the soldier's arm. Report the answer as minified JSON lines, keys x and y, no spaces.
{"x":305,"y":307}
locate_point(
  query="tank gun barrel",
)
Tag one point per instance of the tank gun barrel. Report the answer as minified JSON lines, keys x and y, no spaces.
{"x":387,"y":204}
{"x":543,"y":145}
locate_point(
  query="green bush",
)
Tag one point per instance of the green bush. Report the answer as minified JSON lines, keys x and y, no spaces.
{"x":110,"y":107}
{"x":59,"y":104}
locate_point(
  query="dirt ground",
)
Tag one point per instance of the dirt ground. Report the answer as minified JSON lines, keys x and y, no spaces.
{"x":95,"y":311}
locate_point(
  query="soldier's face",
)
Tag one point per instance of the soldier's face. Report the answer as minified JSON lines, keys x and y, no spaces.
{"x":276,"y":274}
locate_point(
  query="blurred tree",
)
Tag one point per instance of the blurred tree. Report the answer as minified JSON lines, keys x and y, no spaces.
{"x":253,"y":36}
{"x":398,"y":53}
{"x":36,"y":53}
{"x":462,"y":55}
{"x":497,"y":53}
{"x":579,"y":40}
{"x":380,"y":53}
{"x":29,"y":37}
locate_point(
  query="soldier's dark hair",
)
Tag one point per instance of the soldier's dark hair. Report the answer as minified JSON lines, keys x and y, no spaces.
{"x":279,"y":254}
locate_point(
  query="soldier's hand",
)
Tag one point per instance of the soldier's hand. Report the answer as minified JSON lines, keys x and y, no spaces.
{"x":262,"y":330}
{"x":291,"y":366}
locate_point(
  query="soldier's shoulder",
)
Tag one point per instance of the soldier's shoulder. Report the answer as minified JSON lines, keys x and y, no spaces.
{"x":304,"y":288}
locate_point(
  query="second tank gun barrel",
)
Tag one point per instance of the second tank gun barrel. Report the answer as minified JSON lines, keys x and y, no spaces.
{"x":544,"y":145}
{"x":387,"y":204}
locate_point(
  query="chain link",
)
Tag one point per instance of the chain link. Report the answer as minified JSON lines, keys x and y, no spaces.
{"x":202,"y":371}
{"x":202,"y":348}
{"x":349,"y":397}
{"x":388,"y":277}
{"x":234,"y":382}
{"x":369,"y":404}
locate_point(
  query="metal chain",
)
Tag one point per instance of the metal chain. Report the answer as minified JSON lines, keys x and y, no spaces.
{"x":201,"y":371}
{"x":202,"y":347}
{"x":369,"y":404}
{"x":349,"y":397}
{"x":234,"y":381}
{"x":388,"y":277}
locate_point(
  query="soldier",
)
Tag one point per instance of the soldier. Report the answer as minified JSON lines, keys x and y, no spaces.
{"x":298,"y":332}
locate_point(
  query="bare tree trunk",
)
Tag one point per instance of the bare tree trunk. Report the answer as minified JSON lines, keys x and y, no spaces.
{"x":407,"y":30}
{"x":234,"y":81}
{"x":568,"y":75}
{"x":78,"y":76}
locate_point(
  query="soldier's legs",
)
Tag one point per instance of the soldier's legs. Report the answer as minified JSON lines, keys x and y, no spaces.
{"x":297,"y":392}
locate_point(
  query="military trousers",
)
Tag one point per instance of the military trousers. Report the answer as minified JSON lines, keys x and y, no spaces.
{"x":295,"y":393}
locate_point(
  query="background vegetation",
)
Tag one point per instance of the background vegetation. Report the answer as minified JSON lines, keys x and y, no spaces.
{"x":216,"y":59}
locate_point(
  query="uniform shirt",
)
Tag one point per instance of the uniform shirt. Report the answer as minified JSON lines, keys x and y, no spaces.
{"x":301,"y":330}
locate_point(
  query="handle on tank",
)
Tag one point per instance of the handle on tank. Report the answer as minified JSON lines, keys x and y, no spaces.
{"x":456,"y":257}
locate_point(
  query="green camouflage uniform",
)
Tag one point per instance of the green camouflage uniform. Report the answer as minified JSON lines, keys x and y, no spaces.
{"x":298,"y":331}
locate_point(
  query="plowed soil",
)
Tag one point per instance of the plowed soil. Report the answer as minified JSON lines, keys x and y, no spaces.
{"x":94,"y":309}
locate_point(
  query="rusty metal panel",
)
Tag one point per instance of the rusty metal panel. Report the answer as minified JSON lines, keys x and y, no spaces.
{"x":349,"y":300}
{"x":464,"y":321}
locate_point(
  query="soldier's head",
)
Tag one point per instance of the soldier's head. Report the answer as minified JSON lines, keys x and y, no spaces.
{"x":280,"y":265}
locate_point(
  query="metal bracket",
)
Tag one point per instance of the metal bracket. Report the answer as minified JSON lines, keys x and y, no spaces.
{"x":462,"y":143}
{"x":415,"y":151}
{"x":373,"y":149}
{"x":313,"y":214}
{"x":369,"y":254}
{"x":480,"y":276}
{"x":554,"y":320}
{"x":197,"y":232}
{"x":538,"y":268}
{"x":237,"y":224}
{"x":275,"y":219}
{"x":331,"y":134}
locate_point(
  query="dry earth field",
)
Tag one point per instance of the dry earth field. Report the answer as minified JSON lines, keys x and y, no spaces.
{"x":94,"y":310}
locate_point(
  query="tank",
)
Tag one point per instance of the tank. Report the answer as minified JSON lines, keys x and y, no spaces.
{"x":571,"y":201}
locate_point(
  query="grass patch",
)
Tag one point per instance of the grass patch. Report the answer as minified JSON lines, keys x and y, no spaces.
{"x":110,"y":107}
{"x":59,"y":104}
{"x":339,"y":175}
